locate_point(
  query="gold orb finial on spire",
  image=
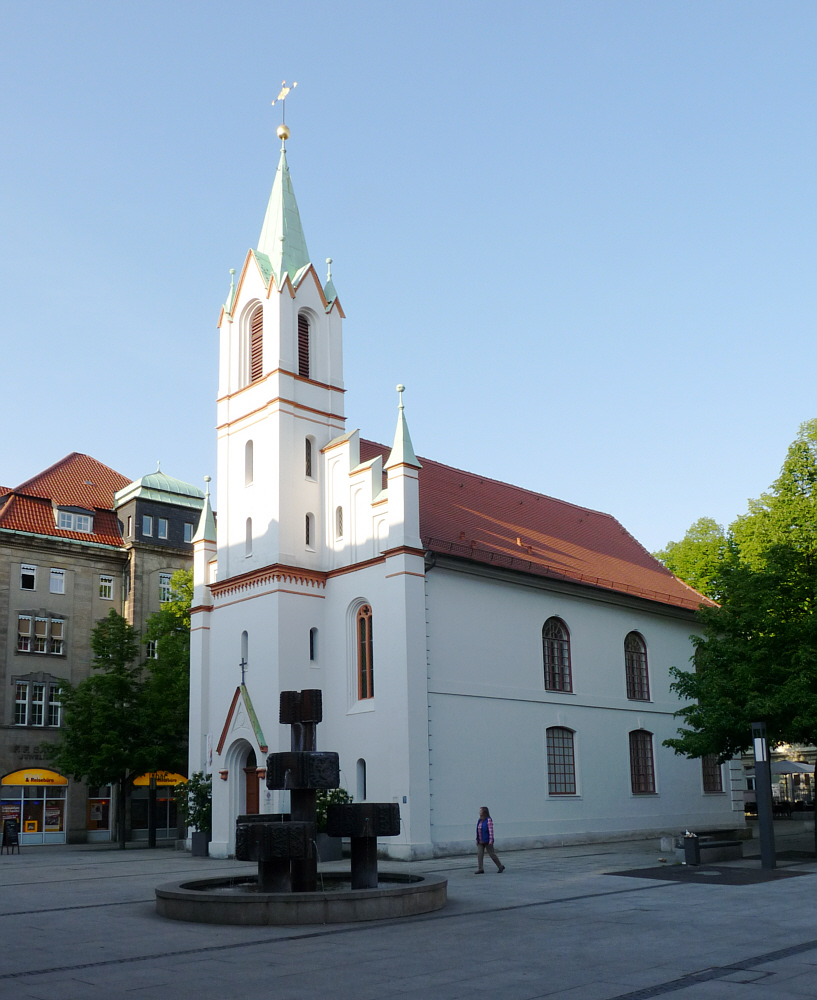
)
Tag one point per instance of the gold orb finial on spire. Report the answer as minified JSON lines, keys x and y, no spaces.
{"x":283,"y":132}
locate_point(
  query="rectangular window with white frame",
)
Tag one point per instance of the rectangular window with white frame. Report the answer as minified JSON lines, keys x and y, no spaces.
{"x":147,"y":525}
{"x":106,"y":588}
{"x":37,"y":704}
{"x":21,"y":703}
{"x":57,"y":636}
{"x":188,"y":532}
{"x":69,"y":521}
{"x":24,"y":633}
{"x":28,"y":577}
{"x":54,"y":707}
{"x":161,"y":529}
{"x":152,"y":649}
{"x":56,"y":581}
{"x":40,"y":635}
{"x":165,"y":590}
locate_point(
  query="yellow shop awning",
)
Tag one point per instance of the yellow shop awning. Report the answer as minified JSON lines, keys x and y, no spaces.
{"x":34,"y":776}
{"x":162,"y":778}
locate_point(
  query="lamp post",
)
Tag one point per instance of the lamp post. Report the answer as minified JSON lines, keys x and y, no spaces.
{"x":763,"y":792}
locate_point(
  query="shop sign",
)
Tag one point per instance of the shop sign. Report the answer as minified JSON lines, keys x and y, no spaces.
{"x":34,"y":776}
{"x":162,"y":778}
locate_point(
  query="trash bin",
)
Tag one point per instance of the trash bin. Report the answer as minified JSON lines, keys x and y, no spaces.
{"x":692,"y":850}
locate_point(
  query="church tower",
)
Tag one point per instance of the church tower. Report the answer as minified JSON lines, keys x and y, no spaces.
{"x":280,"y":398}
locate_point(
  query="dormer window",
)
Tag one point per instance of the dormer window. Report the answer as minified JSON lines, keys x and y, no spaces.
{"x":303,"y":346}
{"x":72,"y":519}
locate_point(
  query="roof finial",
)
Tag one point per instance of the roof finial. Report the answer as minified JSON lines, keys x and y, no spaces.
{"x":158,"y":465}
{"x":228,"y":308}
{"x":328,"y":268}
{"x":283,"y":130}
{"x":401,"y":389}
{"x":207,"y":487}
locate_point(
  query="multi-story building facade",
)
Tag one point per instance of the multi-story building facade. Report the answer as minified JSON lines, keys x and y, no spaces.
{"x":75,"y":541}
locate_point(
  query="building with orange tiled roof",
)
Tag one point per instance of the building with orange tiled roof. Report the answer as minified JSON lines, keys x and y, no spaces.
{"x":473,"y":641}
{"x":75,"y":541}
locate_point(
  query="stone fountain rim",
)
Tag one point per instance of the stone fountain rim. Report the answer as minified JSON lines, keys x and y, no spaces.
{"x":414,"y":894}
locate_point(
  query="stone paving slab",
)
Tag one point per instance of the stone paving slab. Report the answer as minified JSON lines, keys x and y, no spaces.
{"x":563,"y":923}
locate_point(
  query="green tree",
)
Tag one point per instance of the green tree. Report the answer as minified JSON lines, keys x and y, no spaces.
{"x":699,"y":557}
{"x":757,"y":656}
{"x":103,"y":736}
{"x":167,"y":685}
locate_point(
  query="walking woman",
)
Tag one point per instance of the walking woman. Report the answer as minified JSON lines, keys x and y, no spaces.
{"x":485,"y":841}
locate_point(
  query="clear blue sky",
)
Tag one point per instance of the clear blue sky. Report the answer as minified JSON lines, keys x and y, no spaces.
{"x":583,"y":234}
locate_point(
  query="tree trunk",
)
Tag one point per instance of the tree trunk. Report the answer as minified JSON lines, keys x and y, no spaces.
{"x":120,"y":806}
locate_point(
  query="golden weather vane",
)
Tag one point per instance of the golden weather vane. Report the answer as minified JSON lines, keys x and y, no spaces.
{"x":283,"y":130}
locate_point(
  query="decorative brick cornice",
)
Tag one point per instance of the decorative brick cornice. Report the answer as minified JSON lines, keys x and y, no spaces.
{"x":277,"y":573}
{"x":201,"y":607}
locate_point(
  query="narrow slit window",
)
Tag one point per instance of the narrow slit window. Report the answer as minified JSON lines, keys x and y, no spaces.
{"x":248,"y":538}
{"x":313,"y":644}
{"x":339,"y":522}
{"x":249,"y":472}
{"x":308,"y":458}
{"x":257,"y":345}
{"x":303,"y":346}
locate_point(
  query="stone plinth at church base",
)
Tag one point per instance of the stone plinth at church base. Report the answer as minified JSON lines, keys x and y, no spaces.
{"x":222,"y":901}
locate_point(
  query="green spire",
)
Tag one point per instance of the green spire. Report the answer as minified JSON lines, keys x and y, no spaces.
{"x":282,"y":236}
{"x":206,"y":530}
{"x":402,"y":452}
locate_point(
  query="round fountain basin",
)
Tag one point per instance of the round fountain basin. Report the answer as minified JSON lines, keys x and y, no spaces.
{"x":237,"y":900}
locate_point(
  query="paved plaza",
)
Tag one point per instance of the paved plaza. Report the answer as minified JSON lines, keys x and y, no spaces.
{"x":80,"y":923}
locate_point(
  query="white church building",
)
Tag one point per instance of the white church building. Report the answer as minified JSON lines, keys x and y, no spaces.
{"x":475,"y":643}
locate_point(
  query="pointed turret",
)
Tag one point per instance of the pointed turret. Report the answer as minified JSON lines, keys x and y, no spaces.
{"x":329,"y":291}
{"x":206,"y":530}
{"x":282,"y":237}
{"x":402,"y":452}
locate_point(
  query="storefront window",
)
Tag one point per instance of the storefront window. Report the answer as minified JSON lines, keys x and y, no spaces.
{"x":38,"y":805}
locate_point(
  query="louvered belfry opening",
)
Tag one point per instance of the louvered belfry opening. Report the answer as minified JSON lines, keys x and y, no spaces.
{"x":257,"y":345}
{"x":303,"y":346}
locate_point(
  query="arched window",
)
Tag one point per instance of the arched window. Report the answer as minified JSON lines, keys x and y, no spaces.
{"x":556,"y":655}
{"x":339,"y":522}
{"x":248,"y":464}
{"x":303,"y":346}
{"x":257,"y":345}
{"x":361,"y":781}
{"x":308,"y":458}
{"x":313,"y":644}
{"x":642,"y":767}
{"x":245,"y":650}
{"x":248,"y":538}
{"x":561,"y":761}
{"x":365,"y":659}
{"x":309,"y":531}
{"x":635,"y":668}
{"x":712,"y":773}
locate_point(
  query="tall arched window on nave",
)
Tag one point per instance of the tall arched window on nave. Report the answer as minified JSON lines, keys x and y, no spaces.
{"x":556,"y":655}
{"x":365,"y":651}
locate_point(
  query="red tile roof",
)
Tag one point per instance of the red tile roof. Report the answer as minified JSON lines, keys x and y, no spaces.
{"x":487,"y":521}
{"x":75,"y":481}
